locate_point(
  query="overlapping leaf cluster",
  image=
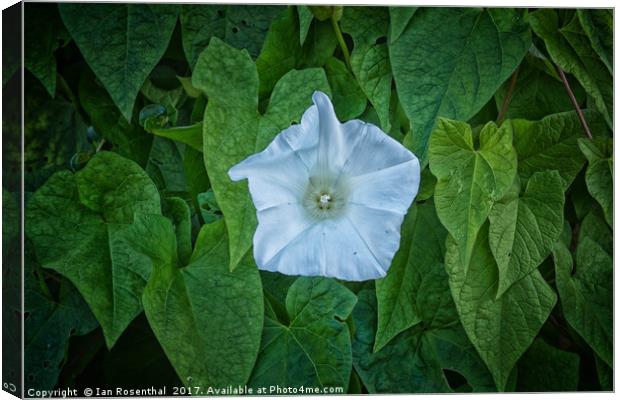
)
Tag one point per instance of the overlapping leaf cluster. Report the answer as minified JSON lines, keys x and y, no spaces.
{"x":135,"y":113}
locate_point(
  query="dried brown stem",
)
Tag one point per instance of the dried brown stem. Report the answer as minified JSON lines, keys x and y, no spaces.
{"x":573,"y":100}
{"x":508,"y":98}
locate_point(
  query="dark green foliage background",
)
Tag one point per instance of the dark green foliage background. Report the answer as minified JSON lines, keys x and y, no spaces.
{"x":139,"y":263}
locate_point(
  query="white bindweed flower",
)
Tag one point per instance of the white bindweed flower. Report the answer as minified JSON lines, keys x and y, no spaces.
{"x":330,"y":197}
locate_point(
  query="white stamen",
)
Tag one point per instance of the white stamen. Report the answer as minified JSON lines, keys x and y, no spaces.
{"x":325,"y":198}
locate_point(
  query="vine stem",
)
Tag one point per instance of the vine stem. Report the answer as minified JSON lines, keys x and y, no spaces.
{"x":343,"y":45}
{"x":100,"y":145}
{"x":508,"y":98}
{"x":573,"y":100}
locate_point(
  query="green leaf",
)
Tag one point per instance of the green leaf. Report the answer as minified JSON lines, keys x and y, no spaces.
{"x":399,"y":19}
{"x":128,"y":138}
{"x":48,"y":326}
{"x":598,"y":26}
{"x":241,"y":26}
{"x":469,"y":179}
{"x":370,"y":59}
{"x":282,"y":53}
{"x":415,"y":361}
{"x":44,"y":33}
{"x":586,"y":293}
{"x":537,"y":94}
{"x":551,"y":144}
{"x":209,"y":209}
{"x":305,"y":19}
{"x":165,"y":167}
{"x":349,"y":100}
{"x":570,"y":49}
{"x":121,"y":43}
{"x":81,"y":226}
{"x":323,"y":13}
{"x":234,"y":128}
{"x":399,"y":300}
{"x":543,"y":368}
{"x":54,"y":132}
{"x":524,"y":229}
{"x":190,"y":135}
{"x":196,"y":175}
{"x":600,"y":173}
{"x":605,"y":374}
{"x":275,"y":287}
{"x":427,"y":185}
{"x":189,"y":310}
{"x":450,"y":61}
{"x":500,"y":329}
{"x":177,"y":210}
{"x":314,"y":349}
{"x":169,"y":98}
{"x":190,"y":90}
{"x":207,"y":319}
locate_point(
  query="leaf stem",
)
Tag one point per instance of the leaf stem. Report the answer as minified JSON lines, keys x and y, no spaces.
{"x":343,"y":45}
{"x":100,"y":145}
{"x":508,"y":98}
{"x":573,"y":100}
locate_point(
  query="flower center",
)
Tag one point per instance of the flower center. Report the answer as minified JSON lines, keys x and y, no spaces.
{"x":325,"y":196}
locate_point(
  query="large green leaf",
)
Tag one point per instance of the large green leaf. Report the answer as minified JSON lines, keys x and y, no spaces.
{"x":282,"y":52}
{"x":524,"y":229}
{"x":349,"y":100}
{"x":121,"y":43}
{"x":241,"y":26}
{"x":569,"y":47}
{"x":537,"y":94}
{"x":127,"y":138}
{"x":49,"y":324}
{"x":544,"y":368}
{"x":165,"y":167}
{"x":314,"y":348}
{"x":598,"y":26}
{"x":80,"y":226}
{"x":44,"y":33}
{"x":234,"y":128}
{"x":450,"y":61}
{"x":399,"y":19}
{"x":600,"y":173}
{"x":370,"y":59}
{"x":502,"y":328}
{"x":207,"y":318}
{"x":417,"y":359}
{"x":305,"y":20}
{"x":399,"y":300}
{"x":54,"y":132}
{"x":469,"y":179}
{"x":586,"y":290}
{"x":551,"y":144}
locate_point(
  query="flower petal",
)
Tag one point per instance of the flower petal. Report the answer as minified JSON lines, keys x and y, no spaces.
{"x":278,"y":174}
{"x":332,"y":248}
{"x":277,"y":228}
{"x":392,"y":189}
{"x":372,"y":150}
{"x":355,"y":147}
{"x":379,"y":229}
